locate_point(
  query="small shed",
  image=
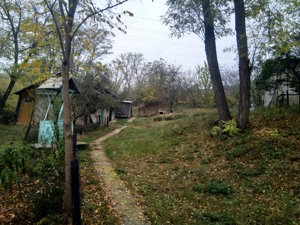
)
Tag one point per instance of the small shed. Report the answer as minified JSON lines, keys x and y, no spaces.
{"x":124,"y":109}
{"x":33,"y":105}
{"x":42,"y":104}
{"x":51,"y":90}
{"x":25,"y":106}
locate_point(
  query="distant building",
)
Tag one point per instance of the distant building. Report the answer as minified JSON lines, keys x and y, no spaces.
{"x":124,"y":109}
{"x":150,"y":109}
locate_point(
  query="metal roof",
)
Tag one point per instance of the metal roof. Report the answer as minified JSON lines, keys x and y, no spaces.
{"x":129,"y":102}
{"x":52,"y":83}
{"x":55,"y":83}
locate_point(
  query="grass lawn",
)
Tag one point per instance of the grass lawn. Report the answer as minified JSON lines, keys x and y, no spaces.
{"x":183,"y":175}
{"x":11,"y":133}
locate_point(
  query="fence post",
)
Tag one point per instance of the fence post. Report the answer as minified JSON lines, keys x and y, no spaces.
{"x":74,"y":145}
{"x":75,"y":191}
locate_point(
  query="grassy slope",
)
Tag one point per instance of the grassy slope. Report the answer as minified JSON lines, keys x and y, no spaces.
{"x":182,"y":175}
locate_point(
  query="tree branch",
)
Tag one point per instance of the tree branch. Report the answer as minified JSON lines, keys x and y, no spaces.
{"x":62,"y":12}
{"x":56,"y":26}
{"x":95,"y":13}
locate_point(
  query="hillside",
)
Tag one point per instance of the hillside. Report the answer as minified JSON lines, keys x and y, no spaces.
{"x":181,"y":174}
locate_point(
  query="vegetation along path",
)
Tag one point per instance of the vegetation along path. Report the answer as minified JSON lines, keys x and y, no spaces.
{"x":123,"y":202}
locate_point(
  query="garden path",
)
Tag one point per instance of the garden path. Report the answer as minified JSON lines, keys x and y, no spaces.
{"x":122,"y":200}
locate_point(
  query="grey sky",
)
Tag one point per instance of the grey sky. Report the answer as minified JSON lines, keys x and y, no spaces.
{"x":147,"y":35}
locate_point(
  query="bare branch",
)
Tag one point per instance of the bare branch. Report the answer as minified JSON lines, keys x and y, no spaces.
{"x":59,"y":34}
{"x":95,"y":13}
{"x":62,"y":12}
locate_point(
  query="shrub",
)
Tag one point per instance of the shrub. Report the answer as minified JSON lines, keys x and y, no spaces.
{"x":228,"y":128}
{"x":13,"y":162}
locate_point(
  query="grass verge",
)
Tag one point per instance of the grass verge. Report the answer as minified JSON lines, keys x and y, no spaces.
{"x":95,"y":208}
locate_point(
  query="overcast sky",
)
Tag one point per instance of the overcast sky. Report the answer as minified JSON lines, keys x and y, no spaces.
{"x":147,"y":35}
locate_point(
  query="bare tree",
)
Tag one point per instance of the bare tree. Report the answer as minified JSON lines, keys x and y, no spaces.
{"x":64,"y":15}
{"x":12,"y":16}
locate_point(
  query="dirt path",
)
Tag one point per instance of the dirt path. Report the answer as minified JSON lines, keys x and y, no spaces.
{"x":123,"y":202}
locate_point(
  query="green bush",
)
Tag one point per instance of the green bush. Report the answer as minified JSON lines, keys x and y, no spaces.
{"x":228,"y":128}
{"x":13,"y":162}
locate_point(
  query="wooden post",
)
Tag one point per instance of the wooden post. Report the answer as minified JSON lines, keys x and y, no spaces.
{"x":74,"y":145}
{"x":75,"y":185}
{"x":287,"y":98}
{"x":75,"y":191}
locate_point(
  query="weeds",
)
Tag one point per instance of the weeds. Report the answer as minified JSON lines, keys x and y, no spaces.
{"x":227,"y":128}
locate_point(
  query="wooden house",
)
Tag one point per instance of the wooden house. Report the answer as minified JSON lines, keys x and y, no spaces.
{"x":43,"y":104}
{"x":33,"y":100}
{"x":26,"y":103}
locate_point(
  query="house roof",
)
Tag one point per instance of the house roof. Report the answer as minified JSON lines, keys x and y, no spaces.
{"x":55,"y":83}
{"x":129,"y":102}
{"x":26,"y":88}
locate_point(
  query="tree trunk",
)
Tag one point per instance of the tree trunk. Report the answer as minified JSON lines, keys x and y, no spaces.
{"x":244,"y":69}
{"x":67,"y":116}
{"x":212,"y":60}
{"x":4,"y":97}
{"x":68,"y":137}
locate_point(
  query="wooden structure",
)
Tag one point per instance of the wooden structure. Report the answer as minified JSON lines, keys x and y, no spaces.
{"x":150,"y":109}
{"x":42,"y":104}
{"x":25,"y":106}
{"x":124,"y":109}
{"x":32,"y":103}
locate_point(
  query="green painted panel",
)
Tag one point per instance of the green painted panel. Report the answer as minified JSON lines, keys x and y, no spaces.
{"x":46,"y":132}
{"x":60,"y":124}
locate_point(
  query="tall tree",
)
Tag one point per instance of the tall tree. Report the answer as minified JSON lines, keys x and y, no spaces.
{"x":162,"y":82}
{"x":244,"y":68}
{"x":89,"y":46}
{"x":12,"y":16}
{"x":273,"y":29}
{"x":204,"y":18}
{"x":127,"y":69}
{"x":64,"y":16}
